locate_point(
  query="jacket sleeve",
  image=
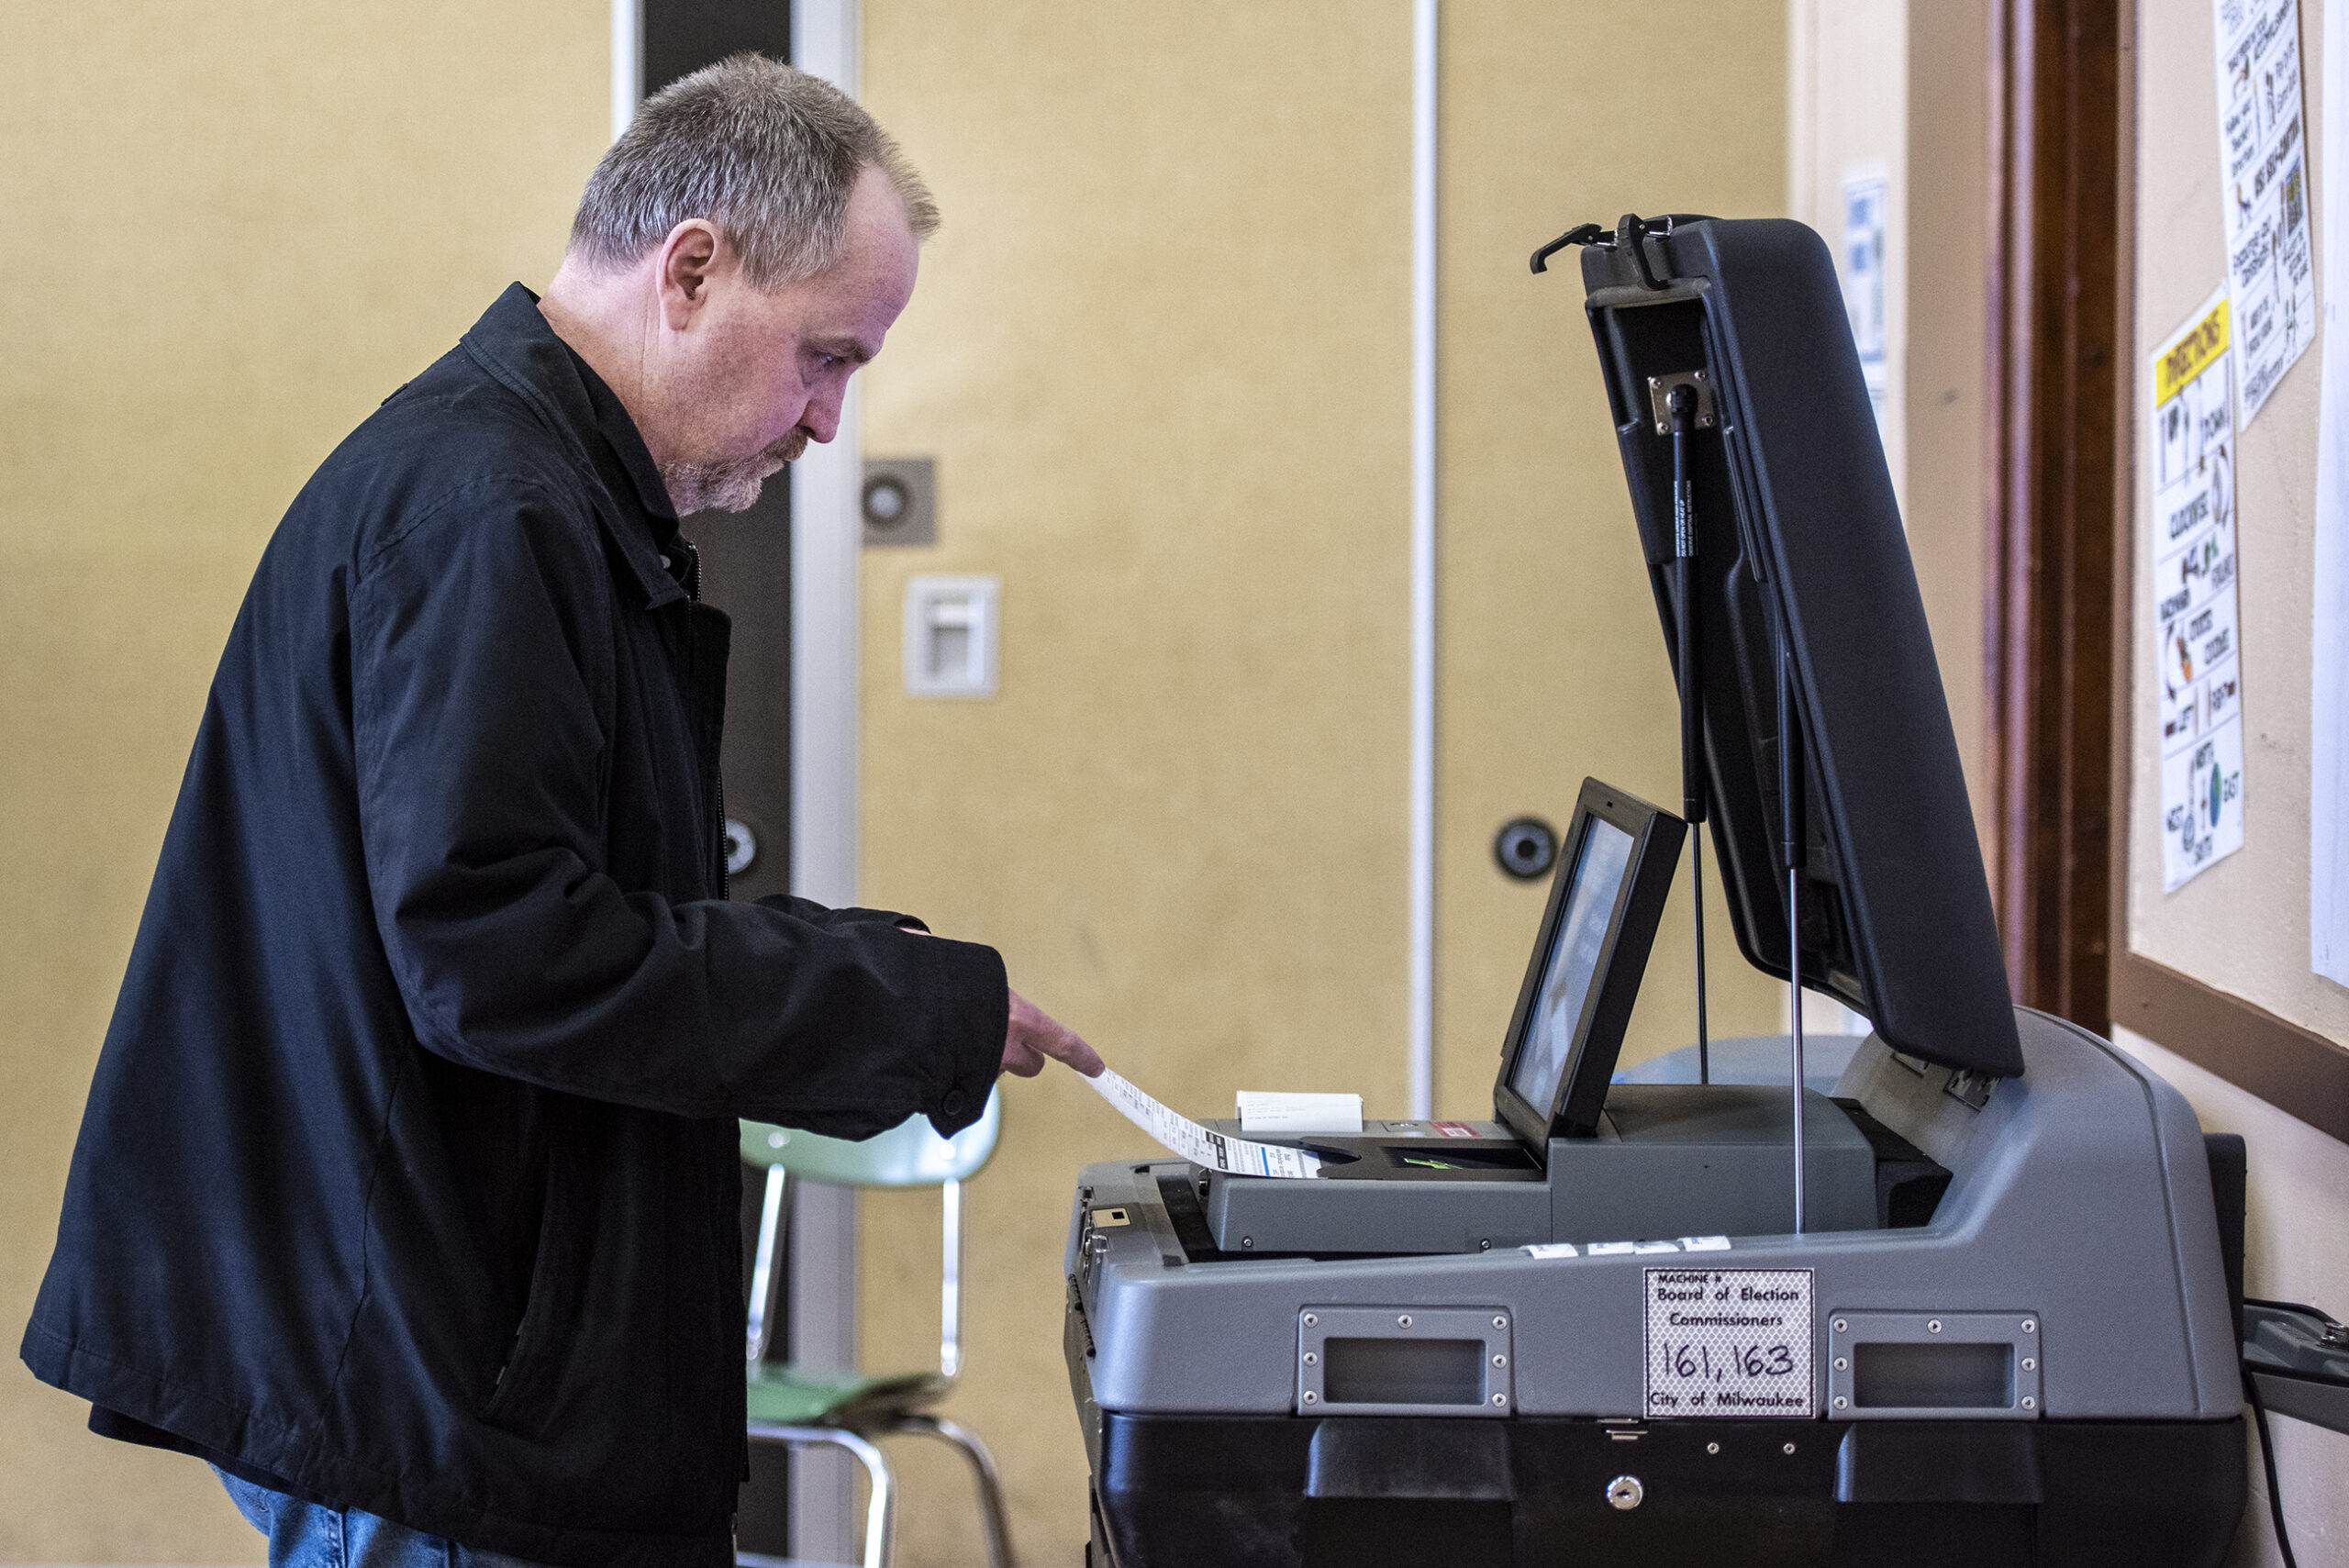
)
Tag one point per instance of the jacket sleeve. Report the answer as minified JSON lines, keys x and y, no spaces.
{"x":481,"y":660}
{"x":818,"y":914}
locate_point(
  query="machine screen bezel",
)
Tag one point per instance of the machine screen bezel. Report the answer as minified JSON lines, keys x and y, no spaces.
{"x":1581,"y":1090}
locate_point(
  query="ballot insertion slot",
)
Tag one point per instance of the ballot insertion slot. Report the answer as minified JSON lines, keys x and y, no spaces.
{"x":1925,"y":1365}
{"x":1403,"y":1361}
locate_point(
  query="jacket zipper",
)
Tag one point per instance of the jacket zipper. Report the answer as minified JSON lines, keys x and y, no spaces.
{"x":717,"y":771}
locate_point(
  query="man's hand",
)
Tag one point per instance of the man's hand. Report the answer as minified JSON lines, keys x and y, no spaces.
{"x":1033,"y":1036}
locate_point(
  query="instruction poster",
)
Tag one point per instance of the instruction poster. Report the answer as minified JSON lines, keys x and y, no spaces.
{"x":2263,"y":164}
{"x":2196,"y":656}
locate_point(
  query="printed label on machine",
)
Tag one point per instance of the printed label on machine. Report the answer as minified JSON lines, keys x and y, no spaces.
{"x":1202,"y":1145}
{"x":1729,"y":1343}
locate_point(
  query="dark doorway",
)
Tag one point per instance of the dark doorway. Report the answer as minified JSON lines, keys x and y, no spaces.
{"x":746,"y":572}
{"x":683,"y":36}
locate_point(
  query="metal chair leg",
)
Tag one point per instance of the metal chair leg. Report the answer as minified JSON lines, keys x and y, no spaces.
{"x":880,"y":1514}
{"x":991,"y":1512}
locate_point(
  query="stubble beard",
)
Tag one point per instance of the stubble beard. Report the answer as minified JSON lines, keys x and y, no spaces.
{"x":732,"y":485}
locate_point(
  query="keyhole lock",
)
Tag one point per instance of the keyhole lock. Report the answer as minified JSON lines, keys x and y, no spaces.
{"x":1625,"y":1492}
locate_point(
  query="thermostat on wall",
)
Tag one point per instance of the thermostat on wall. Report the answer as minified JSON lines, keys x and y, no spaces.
{"x":949,"y":636}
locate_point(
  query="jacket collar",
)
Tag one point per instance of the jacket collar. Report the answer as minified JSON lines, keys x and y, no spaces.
{"x":514,"y":344}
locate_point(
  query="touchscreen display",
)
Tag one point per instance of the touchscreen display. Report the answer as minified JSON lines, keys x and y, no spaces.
{"x":1575,"y":952}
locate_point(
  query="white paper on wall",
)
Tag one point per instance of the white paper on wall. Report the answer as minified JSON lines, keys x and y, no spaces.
{"x":1866,"y":195}
{"x":2262,"y":169}
{"x":2328,"y":694}
{"x":2198,"y":667}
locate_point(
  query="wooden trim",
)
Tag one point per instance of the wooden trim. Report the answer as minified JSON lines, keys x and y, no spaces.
{"x":2049,"y":606}
{"x":2298,"y":1071}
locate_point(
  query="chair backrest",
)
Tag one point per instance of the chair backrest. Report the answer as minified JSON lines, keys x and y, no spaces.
{"x":910,"y":1155}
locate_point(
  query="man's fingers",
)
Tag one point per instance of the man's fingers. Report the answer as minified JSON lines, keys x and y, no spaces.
{"x":1066,"y":1045}
{"x":1033,"y":1035}
{"x":1030,"y":1036}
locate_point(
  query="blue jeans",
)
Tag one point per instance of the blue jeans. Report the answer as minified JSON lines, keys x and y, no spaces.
{"x":303,"y":1535}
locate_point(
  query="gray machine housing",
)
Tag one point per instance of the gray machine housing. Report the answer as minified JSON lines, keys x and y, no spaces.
{"x":1668,"y":1160}
{"x":2079,"y":1197}
{"x":1243,"y":1352}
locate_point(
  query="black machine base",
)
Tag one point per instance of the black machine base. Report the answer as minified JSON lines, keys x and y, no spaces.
{"x":1370,"y":1492}
{"x":1276,"y":1492}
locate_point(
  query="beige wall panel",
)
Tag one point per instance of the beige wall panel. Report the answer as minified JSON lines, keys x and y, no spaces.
{"x":2242,"y":925}
{"x":1904,"y":85}
{"x":234,"y":231}
{"x":1944,"y":326}
{"x":2296,"y":1206}
{"x":1848,"y":85}
{"x":1553,"y":662}
{"x":1160,"y":353}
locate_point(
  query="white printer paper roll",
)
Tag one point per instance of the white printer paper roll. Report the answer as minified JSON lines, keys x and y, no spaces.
{"x":1200,"y":1145}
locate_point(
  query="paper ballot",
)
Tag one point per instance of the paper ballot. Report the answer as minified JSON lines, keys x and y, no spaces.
{"x":1201,"y":1145}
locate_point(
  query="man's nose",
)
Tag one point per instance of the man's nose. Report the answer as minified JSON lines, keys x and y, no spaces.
{"x":823,"y":415}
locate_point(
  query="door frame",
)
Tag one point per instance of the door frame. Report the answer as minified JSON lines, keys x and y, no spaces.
{"x":826,"y":533}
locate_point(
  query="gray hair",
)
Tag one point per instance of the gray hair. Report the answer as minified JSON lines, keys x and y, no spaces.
{"x":767,"y":154}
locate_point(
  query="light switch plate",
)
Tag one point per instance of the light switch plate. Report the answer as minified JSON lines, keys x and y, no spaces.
{"x":950,"y":636}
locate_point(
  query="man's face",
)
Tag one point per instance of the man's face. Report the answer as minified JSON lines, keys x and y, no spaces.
{"x":756,"y":375}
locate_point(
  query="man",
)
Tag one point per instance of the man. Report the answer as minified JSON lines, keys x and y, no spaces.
{"x":406,"y":1191}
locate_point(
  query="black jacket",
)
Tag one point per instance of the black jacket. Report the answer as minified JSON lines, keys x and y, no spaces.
{"x":409,"y":1170}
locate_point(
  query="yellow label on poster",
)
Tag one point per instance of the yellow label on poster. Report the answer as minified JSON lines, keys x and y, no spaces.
{"x":2196,"y":347}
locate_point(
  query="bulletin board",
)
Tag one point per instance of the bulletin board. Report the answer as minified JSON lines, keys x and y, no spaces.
{"x":2218,"y":967}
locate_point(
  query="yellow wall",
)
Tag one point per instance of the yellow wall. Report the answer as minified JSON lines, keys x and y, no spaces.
{"x":1553,"y":663}
{"x":1161,"y":351}
{"x":231,"y":231}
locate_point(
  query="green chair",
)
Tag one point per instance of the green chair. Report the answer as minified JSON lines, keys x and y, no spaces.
{"x":805,"y":1406}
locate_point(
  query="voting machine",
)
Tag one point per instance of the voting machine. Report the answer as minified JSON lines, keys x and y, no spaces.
{"x":1972,"y":1307}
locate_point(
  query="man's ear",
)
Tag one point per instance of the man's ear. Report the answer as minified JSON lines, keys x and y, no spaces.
{"x":685,"y":262}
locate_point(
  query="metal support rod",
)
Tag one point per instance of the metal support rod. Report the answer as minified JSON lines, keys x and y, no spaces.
{"x":1690,"y":651}
{"x":763,"y":1265}
{"x":994,"y":1518}
{"x":1696,"y":897}
{"x":950,"y":1290}
{"x":1794,"y":988}
{"x":1791,"y":846}
{"x":880,"y":1509}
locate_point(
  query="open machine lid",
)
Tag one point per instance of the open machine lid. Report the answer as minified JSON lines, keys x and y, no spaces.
{"x":1800,"y":545}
